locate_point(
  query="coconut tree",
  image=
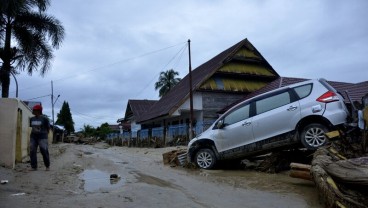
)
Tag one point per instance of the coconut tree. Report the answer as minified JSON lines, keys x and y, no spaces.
{"x":27,"y":38}
{"x":166,"y":81}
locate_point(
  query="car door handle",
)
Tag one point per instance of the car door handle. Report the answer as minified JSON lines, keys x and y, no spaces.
{"x":247,"y":123}
{"x":292,"y":108}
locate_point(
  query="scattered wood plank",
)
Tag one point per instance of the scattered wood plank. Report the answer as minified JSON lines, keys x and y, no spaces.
{"x":171,"y":158}
{"x":301,"y":171}
{"x":299,"y":166}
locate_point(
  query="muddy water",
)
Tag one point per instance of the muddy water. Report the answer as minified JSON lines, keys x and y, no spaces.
{"x":96,"y":180}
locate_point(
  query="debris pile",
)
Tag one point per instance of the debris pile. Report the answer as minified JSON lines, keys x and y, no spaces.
{"x":340,"y":172}
{"x":281,"y":160}
{"x":175,"y":157}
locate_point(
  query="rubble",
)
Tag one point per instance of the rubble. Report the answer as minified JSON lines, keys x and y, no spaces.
{"x":340,"y":172}
{"x":172,"y":157}
{"x":280,"y":160}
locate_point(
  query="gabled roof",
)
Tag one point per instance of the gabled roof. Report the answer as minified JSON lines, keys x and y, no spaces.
{"x":180,"y":93}
{"x":355,"y":91}
{"x":138,"y":108}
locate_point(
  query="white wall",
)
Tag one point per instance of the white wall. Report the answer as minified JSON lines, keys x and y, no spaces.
{"x":25,"y":131}
{"x":134,"y":128}
{"x":8,"y":124}
{"x":197,"y":104}
{"x":14,"y":131}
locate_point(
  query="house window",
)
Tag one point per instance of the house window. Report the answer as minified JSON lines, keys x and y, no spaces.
{"x":219,"y":83}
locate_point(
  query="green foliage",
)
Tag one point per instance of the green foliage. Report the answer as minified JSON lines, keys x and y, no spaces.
{"x":103,"y":130}
{"x":65,"y":119}
{"x":166,"y":81}
{"x":27,"y":38}
{"x":88,"y":131}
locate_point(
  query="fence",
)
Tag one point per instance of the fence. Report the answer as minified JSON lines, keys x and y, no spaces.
{"x":156,"y":137}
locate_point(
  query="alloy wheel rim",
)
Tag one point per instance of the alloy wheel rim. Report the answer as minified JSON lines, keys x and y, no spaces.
{"x":315,"y":137}
{"x":204,"y":160}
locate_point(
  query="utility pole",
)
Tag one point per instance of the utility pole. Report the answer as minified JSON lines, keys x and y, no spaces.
{"x":52,"y":106}
{"x":191,"y":132}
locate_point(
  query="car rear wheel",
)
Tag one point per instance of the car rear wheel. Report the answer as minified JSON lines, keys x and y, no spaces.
{"x":313,"y":136}
{"x":205,"y":159}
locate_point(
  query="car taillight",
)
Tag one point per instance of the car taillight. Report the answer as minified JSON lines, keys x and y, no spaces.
{"x":328,"y":97}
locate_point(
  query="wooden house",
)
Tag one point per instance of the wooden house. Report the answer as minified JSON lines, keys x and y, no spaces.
{"x":217,"y":83}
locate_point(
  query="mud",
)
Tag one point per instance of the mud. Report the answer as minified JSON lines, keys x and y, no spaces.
{"x":80,"y":177}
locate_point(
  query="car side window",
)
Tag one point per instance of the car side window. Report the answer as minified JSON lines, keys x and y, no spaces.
{"x":272,"y":102}
{"x":303,"y":91}
{"x":237,"y":115}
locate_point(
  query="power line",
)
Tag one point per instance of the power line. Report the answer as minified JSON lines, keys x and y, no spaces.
{"x":37,"y":97}
{"x":178,"y":54}
{"x":105,"y":66}
{"x":123,"y":61}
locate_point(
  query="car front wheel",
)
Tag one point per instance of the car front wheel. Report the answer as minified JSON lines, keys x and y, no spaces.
{"x":205,"y":159}
{"x":313,"y":136}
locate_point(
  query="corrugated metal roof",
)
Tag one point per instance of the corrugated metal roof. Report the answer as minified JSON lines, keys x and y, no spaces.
{"x":138,"y":108}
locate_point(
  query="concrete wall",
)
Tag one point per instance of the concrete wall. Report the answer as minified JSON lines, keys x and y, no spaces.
{"x":23,"y":132}
{"x":14,"y":131}
{"x":8,"y":129}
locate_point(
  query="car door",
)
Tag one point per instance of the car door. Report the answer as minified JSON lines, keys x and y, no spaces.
{"x":275,"y":115}
{"x":236,"y":129}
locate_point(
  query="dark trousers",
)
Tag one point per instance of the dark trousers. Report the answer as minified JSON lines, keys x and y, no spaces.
{"x":43,"y":144}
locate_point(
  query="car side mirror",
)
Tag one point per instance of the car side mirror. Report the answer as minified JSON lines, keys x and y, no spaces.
{"x":220,"y":124}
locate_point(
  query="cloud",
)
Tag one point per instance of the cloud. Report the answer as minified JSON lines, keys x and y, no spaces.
{"x":115,"y":50}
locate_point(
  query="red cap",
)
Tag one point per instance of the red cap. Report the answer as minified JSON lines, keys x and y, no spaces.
{"x":37,"y":108}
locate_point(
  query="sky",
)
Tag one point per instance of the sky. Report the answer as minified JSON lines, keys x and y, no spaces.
{"x":114,"y":51}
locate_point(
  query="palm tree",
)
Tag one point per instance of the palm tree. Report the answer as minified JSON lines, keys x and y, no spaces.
{"x":27,"y":38}
{"x":166,"y":81}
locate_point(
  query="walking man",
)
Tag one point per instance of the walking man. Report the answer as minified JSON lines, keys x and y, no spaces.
{"x":40,"y":130}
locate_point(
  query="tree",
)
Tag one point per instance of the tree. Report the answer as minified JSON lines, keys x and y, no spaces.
{"x":27,"y":38}
{"x":88,"y":131}
{"x":103,"y":130}
{"x":166,"y":81}
{"x":65,"y":119}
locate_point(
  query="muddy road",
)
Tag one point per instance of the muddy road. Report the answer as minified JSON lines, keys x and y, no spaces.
{"x":80,"y":177}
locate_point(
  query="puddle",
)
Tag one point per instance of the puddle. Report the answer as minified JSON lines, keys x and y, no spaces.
{"x":96,"y":180}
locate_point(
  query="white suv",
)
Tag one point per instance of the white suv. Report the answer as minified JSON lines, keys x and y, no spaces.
{"x":299,"y":113}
